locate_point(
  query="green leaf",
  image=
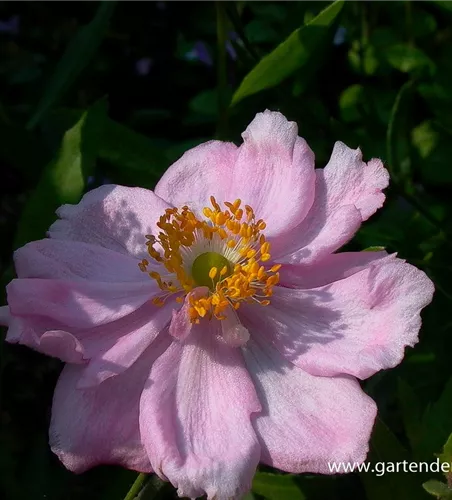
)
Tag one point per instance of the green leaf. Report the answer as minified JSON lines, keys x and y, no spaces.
{"x":397,"y":137}
{"x":296,"y":52}
{"x":380,"y":482}
{"x":132,"y":157}
{"x":64,"y":179}
{"x":276,"y":486}
{"x":424,"y":23}
{"x":411,"y":412}
{"x":205,"y":103}
{"x":446,"y":455}
{"x":132,"y":154}
{"x":77,"y":56}
{"x":374,"y":249}
{"x":156,"y":489}
{"x":408,"y":59}
{"x":438,"y":97}
{"x":351,"y":103}
{"x":438,"y":489}
{"x":434,"y":148}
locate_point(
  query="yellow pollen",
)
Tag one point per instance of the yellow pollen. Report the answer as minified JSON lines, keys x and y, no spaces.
{"x":225,"y":252}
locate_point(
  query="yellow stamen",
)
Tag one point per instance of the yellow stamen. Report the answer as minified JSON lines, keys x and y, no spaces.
{"x":233,"y":272}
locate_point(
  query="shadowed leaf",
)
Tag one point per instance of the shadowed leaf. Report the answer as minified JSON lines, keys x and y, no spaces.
{"x":296,"y":52}
{"x":64,"y":178}
{"x":77,"y":56}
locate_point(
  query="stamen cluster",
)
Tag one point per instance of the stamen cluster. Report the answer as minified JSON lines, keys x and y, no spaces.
{"x":233,"y":233}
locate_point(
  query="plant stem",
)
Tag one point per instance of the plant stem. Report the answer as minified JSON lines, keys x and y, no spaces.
{"x":136,"y":486}
{"x":222,"y":82}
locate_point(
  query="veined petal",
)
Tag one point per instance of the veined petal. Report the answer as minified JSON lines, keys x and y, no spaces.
{"x":275,"y":173}
{"x":144,"y":327}
{"x":307,"y":422}
{"x":201,"y":172}
{"x":109,"y":347}
{"x":333,"y":267}
{"x":195,"y":418}
{"x":350,"y":181}
{"x":111,"y":216}
{"x":320,"y":236}
{"x":77,"y":304}
{"x":358,"y":325}
{"x":347,"y":192}
{"x":74,"y":260}
{"x":85,"y":429}
{"x":40,"y":336}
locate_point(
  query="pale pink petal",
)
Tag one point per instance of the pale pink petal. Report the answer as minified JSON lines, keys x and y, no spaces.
{"x":201,"y":172}
{"x":62,"y":345}
{"x":38,"y":335}
{"x":195,"y":417}
{"x":114,"y":217}
{"x":345,"y":183}
{"x":110,"y":347}
{"x":100,"y":425}
{"x":232,"y":330}
{"x":350,"y":181}
{"x":332,"y":268}
{"x":73,"y":260}
{"x":318,"y":236}
{"x":4,"y":315}
{"x":275,"y":173}
{"x":128,"y":348}
{"x":307,"y":421}
{"x":77,"y":304}
{"x":357,"y":326}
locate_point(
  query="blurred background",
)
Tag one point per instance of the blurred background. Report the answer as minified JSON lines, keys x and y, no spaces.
{"x":99,"y":92}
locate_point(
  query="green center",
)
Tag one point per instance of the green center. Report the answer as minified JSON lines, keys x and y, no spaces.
{"x":204,"y":263}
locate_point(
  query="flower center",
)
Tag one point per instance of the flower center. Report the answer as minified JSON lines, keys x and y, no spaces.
{"x":225,"y":251}
{"x":209,"y":268}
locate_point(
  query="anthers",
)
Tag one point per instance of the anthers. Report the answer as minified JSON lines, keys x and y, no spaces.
{"x":225,"y":252}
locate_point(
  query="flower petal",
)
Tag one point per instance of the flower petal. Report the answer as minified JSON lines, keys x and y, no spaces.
{"x":144,"y":327}
{"x":316,"y":239}
{"x":195,"y":418}
{"x":114,"y":217}
{"x":275,"y":173}
{"x":332,"y":268}
{"x":77,"y":304}
{"x":345,"y":186}
{"x":62,"y":345}
{"x":350,"y":181}
{"x":306,"y":421}
{"x":73,"y":260}
{"x":85,"y":429}
{"x":357,"y":326}
{"x":39,"y":335}
{"x":201,"y":172}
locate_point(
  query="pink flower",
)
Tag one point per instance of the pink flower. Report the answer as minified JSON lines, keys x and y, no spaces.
{"x":209,"y":325}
